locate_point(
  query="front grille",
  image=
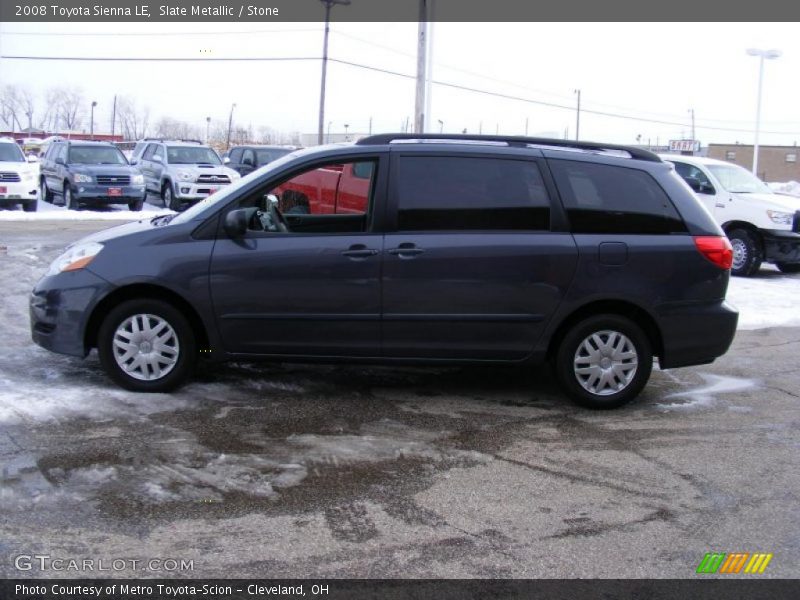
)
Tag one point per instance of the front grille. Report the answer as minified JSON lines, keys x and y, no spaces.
{"x":9,"y":177}
{"x":113,"y":180}
{"x":213,"y":179}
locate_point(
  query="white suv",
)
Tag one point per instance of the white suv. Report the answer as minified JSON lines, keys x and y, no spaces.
{"x":18,"y":179}
{"x":761,"y":225}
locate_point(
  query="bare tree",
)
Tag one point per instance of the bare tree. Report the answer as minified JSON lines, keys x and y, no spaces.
{"x":132,"y":118}
{"x":167,"y":127}
{"x":11,"y":107}
{"x":69,"y":102}
{"x":49,"y":118}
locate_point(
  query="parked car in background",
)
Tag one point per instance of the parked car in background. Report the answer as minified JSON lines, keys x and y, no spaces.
{"x":246,"y":159}
{"x":182,"y":172}
{"x":18,"y":177}
{"x":468,"y":249}
{"x":93,"y":173}
{"x":333,"y":189}
{"x":763,"y":226}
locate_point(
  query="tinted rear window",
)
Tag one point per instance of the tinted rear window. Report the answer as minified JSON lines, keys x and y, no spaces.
{"x":465,"y":193}
{"x":608,"y":199}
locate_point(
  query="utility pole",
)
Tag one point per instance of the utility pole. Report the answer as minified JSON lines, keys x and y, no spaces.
{"x":328,"y":4}
{"x":91,"y":121}
{"x":526,"y":126}
{"x":578,"y":117}
{"x":230,"y":123}
{"x":113,"y":115}
{"x":370,"y":125}
{"x":691,"y":112}
{"x":422,"y":47}
{"x":426,"y":116}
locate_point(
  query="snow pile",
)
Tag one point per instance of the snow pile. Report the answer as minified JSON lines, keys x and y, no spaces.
{"x":790,"y":187}
{"x":113,"y":212}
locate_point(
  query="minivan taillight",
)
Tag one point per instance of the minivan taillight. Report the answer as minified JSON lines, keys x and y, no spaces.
{"x":716,"y":249}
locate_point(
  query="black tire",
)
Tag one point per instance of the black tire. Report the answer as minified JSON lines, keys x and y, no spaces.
{"x":788,"y":267}
{"x":136,"y":205}
{"x":30,"y":206}
{"x":158,"y":309}
{"x":44,"y":191}
{"x":69,"y":199}
{"x":168,"y":197}
{"x":747,"y":252}
{"x":567,"y":360}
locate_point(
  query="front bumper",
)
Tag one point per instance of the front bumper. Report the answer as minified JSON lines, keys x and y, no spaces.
{"x":189,"y":190}
{"x":781,"y":245}
{"x":60,"y":306}
{"x":695,"y":334}
{"x":99,"y":194}
{"x":18,"y":192}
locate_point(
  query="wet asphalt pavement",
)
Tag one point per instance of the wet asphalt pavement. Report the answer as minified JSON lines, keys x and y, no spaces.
{"x":283,"y":470}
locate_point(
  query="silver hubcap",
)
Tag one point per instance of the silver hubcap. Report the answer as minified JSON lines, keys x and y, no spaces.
{"x":739,"y":253}
{"x":146,"y":347}
{"x":605,"y":363}
{"x":168,"y":197}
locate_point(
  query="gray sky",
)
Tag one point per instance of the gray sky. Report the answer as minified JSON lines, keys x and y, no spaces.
{"x":644,"y":70}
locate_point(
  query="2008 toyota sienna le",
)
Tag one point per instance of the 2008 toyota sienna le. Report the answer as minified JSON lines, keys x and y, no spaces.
{"x":410,"y":248}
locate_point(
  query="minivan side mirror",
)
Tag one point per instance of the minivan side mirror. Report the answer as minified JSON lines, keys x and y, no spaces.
{"x":236,"y":222}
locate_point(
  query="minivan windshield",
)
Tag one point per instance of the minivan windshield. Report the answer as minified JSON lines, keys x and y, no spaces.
{"x":10,"y":152}
{"x":191,"y":155}
{"x":95,"y":155}
{"x":208,"y":204}
{"x":738,"y":180}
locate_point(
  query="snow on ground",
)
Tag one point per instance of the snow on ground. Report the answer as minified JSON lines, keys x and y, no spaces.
{"x":115,"y":212}
{"x":770,"y":299}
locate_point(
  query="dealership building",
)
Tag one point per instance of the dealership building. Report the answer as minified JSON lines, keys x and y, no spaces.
{"x":775,"y":163}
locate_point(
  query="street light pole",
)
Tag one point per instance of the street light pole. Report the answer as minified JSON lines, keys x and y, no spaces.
{"x":91,"y":120}
{"x":230,"y":124}
{"x":578,"y":117}
{"x":761,"y":54}
{"x":328,"y":4}
{"x":208,"y":126}
{"x":346,"y":125}
{"x":441,"y":125}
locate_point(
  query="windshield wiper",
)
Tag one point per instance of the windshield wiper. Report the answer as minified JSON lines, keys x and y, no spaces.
{"x":162,"y":219}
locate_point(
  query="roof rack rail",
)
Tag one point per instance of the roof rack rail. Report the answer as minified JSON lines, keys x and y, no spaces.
{"x":511,"y":140}
{"x":150,"y":139}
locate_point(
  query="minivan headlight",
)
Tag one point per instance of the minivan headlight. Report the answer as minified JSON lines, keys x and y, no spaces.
{"x":75,"y":258}
{"x":81,"y":178}
{"x":779,"y":217}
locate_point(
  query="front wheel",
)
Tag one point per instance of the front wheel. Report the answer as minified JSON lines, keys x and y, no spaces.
{"x":136,"y":205}
{"x":168,"y":197}
{"x":147,"y":346}
{"x":44,"y":192}
{"x":69,"y":199}
{"x":747,"y":254}
{"x":789,"y":267}
{"x":604,"y":361}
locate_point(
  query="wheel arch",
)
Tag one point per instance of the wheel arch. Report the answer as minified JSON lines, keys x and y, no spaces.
{"x":140,"y":291}
{"x":621,"y":308}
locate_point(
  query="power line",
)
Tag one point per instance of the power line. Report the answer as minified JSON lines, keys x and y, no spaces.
{"x":396,"y":74}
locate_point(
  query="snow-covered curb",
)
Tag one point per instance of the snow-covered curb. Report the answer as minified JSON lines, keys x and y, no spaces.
{"x":117,"y":212}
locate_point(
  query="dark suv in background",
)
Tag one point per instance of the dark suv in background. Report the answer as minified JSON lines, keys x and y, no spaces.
{"x":94,"y":173}
{"x":246,"y":159}
{"x":456,"y":249}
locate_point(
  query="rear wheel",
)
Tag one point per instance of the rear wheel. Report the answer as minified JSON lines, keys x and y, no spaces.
{"x":747,"y":253}
{"x":147,"y":346}
{"x":44,"y":192}
{"x":604,"y":361}
{"x":789,"y":267}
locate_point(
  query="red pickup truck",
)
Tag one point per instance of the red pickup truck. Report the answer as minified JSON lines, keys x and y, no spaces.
{"x":334,"y":189}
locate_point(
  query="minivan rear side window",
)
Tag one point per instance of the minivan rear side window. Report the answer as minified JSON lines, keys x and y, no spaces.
{"x":468,"y":193}
{"x":608,"y":199}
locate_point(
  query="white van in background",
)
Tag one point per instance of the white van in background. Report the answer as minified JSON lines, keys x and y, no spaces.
{"x":762,"y":226}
